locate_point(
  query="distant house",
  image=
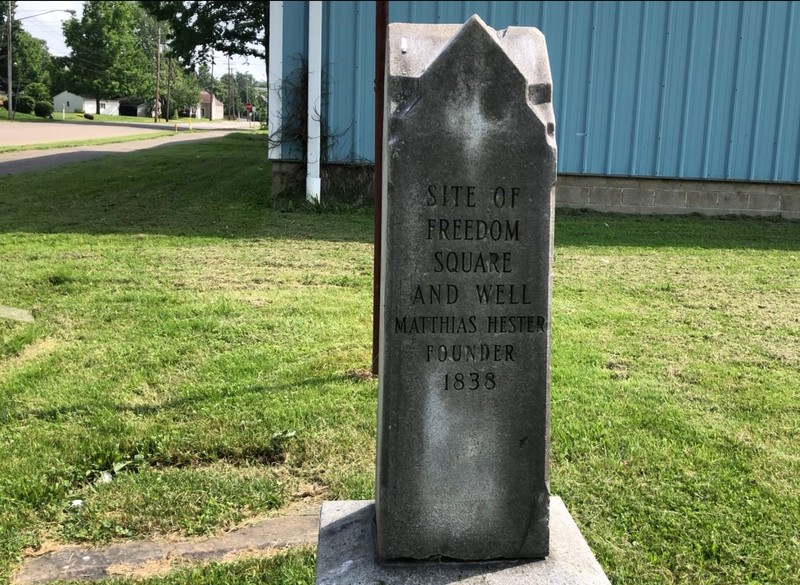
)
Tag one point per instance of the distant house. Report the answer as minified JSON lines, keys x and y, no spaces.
{"x":132,"y":107}
{"x":66,"y":101}
{"x":217,"y":112}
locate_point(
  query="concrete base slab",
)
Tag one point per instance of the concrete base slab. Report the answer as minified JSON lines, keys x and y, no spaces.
{"x":346,"y":555}
{"x":139,"y":559}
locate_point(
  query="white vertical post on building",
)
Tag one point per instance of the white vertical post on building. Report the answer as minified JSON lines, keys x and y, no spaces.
{"x":313,"y":181}
{"x":275,"y":104}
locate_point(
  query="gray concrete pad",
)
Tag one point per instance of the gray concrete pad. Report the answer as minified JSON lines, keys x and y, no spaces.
{"x":140,"y":558}
{"x":346,"y":555}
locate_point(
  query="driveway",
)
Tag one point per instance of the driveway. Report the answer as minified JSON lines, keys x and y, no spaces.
{"x":21,"y":133}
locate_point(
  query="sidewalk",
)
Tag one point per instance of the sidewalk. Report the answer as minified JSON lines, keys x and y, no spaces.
{"x":25,"y":133}
{"x":24,"y":161}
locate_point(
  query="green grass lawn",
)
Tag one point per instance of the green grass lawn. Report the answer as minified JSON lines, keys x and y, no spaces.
{"x":193,"y":343}
{"x":19,"y":116}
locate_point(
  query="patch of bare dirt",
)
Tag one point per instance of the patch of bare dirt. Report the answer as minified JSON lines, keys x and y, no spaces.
{"x":38,"y":348}
{"x":148,"y":569}
{"x":360,"y":375}
{"x":45,"y":547}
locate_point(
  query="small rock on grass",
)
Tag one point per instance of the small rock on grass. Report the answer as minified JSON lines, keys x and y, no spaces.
{"x":16,"y":314}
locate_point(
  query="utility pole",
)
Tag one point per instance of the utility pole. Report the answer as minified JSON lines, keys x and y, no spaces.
{"x":169,"y":83}
{"x":211,"y":107}
{"x":9,"y":84}
{"x":230,"y":91}
{"x":158,"y":75}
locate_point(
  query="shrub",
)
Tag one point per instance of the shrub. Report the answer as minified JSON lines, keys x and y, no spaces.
{"x":38,"y":91}
{"x":25,"y":104}
{"x":43,"y":109}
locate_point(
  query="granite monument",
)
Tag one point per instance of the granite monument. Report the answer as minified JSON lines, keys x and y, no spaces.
{"x":462,"y":487}
{"x":469,"y":175}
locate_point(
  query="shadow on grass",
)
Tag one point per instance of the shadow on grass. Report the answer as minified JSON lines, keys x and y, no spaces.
{"x":219,"y":187}
{"x":37,"y":160}
{"x":70,"y":412}
{"x":270,"y":450}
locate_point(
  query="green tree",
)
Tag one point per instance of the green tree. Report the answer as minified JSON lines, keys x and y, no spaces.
{"x":245,"y":83}
{"x":4,"y":42}
{"x":239,"y":90}
{"x":199,"y":27}
{"x":31,"y":59}
{"x":213,"y":84}
{"x":4,"y":6}
{"x":183,"y":89}
{"x":38,"y":91}
{"x":204,"y":77}
{"x":220,"y":91}
{"x":109,"y":50}
{"x":232,"y":103}
{"x":60,"y":74}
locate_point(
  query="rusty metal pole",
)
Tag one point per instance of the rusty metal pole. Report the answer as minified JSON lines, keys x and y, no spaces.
{"x":381,"y":22}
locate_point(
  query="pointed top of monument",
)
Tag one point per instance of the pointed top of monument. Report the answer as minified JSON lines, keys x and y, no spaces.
{"x":475,"y":19}
{"x":416,"y":50}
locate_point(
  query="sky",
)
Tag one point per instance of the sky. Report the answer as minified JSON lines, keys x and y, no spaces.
{"x":48,"y":28}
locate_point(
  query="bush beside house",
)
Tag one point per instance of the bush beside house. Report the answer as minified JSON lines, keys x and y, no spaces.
{"x":43,"y":109}
{"x":25,"y":104}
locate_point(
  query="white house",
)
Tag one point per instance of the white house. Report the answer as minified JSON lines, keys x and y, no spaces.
{"x":133,"y":107}
{"x":67,"y":101}
{"x":206,"y":110}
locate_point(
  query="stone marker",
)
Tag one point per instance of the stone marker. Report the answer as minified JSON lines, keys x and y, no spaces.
{"x":463,"y":413}
{"x":469,"y":174}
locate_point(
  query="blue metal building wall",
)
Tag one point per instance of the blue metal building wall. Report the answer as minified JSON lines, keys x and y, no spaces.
{"x":700,"y":90}
{"x":348,"y":50}
{"x":295,"y":49}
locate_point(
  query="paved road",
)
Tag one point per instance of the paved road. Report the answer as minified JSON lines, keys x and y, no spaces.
{"x":17,"y":133}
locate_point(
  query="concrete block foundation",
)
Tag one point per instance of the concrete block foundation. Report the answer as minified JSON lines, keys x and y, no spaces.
{"x":346,"y":555}
{"x":677,"y":197}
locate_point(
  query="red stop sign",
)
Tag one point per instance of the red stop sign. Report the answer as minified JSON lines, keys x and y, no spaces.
{"x":248,"y":106}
